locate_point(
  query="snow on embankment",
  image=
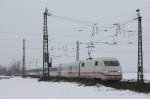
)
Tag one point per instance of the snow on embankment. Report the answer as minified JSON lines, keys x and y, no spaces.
{"x":19,"y":88}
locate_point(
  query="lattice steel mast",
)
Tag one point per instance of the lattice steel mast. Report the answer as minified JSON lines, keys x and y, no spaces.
{"x":140,"y":51}
{"x":45,"y":46}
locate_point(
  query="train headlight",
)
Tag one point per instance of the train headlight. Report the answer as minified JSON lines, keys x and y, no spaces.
{"x":119,"y":71}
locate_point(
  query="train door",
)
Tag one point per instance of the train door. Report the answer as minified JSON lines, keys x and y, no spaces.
{"x":98,"y":69}
{"x":82,"y":69}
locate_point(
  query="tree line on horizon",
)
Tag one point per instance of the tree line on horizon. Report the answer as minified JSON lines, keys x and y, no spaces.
{"x":14,"y":69}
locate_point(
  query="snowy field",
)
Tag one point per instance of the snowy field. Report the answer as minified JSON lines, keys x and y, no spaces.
{"x":20,"y":88}
{"x":133,"y":76}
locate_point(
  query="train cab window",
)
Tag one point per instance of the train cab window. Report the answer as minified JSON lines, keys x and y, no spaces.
{"x":82,"y":65}
{"x":111,"y":63}
{"x":96,"y":63}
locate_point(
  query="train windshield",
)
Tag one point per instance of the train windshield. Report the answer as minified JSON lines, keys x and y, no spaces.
{"x":111,"y":63}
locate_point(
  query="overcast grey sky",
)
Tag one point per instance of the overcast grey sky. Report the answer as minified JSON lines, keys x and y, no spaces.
{"x":23,"y":19}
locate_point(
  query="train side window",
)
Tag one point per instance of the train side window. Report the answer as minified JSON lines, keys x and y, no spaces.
{"x":96,"y":63}
{"x":82,"y":65}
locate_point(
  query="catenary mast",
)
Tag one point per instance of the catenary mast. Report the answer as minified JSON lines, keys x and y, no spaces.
{"x":45,"y":46}
{"x":140,"y":50}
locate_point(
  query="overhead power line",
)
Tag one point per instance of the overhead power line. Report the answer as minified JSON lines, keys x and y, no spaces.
{"x":73,"y":20}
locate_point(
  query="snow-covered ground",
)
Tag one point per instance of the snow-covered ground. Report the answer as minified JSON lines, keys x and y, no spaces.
{"x":28,"y":88}
{"x":133,"y":76}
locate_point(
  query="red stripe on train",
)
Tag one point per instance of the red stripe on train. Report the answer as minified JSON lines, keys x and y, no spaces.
{"x":97,"y":73}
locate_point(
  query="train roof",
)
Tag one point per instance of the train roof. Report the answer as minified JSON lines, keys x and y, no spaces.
{"x":101,"y":58}
{"x":84,"y":60}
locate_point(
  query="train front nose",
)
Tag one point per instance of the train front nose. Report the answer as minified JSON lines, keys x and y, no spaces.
{"x":113,"y":70}
{"x":113,"y":75}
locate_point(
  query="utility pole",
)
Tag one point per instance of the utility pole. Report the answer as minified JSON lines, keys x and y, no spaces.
{"x":23,"y":65}
{"x":45,"y":46}
{"x":36,"y":62}
{"x":77,"y":51}
{"x":140,"y":52}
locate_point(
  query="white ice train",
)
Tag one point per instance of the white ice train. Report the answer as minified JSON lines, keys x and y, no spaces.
{"x":105,"y":68}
